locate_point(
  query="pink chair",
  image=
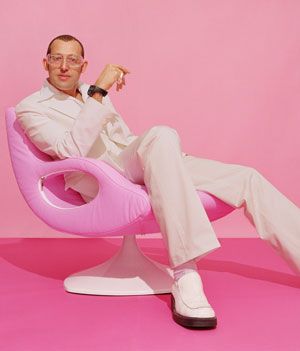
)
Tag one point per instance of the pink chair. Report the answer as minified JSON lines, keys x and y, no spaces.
{"x":120,"y":208}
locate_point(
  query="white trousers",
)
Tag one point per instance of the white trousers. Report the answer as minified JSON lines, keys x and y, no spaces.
{"x":155,"y":159}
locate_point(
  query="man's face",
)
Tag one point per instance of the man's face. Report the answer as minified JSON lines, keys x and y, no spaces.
{"x":64,"y":77}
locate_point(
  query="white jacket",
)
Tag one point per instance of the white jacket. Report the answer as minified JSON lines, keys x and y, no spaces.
{"x":62,"y":126}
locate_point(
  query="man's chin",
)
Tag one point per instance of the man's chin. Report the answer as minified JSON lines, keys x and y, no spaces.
{"x":63,"y":86}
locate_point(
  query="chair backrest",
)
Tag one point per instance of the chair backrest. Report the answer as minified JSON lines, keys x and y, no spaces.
{"x":26,"y":160}
{"x":66,"y":210}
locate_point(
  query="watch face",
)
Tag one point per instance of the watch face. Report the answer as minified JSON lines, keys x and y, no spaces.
{"x":91,"y":90}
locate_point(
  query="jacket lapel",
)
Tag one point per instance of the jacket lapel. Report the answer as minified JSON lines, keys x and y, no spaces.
{"x":65,"y":106}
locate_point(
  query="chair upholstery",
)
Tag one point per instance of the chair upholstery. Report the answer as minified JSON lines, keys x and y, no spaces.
{"x":120,"y":207}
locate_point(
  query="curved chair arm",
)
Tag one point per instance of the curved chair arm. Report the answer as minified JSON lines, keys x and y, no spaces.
{"x":118,"y":203}
{"x":105,"y":174}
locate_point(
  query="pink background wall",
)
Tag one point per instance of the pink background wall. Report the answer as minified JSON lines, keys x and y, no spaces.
{"x":225,"y":74}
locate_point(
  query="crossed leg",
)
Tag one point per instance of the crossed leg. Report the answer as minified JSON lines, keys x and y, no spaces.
{"x":156,"y":160}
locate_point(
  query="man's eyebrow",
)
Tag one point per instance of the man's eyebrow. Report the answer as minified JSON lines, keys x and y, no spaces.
{"x":58,"y":53}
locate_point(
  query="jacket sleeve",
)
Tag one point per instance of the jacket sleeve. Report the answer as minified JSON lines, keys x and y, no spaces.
{"x":52,"y":138}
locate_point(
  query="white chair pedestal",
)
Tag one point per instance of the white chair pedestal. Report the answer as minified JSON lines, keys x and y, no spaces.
{"x":128,"y":272}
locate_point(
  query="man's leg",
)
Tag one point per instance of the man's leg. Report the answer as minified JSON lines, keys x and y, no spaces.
{"x":155,"y":159}
{"x":275,"y":217}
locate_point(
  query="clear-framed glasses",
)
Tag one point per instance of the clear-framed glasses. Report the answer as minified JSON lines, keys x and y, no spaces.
{"x":56,"y":60}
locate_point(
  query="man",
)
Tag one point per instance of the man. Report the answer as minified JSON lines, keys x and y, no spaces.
{"x":69,"y":118}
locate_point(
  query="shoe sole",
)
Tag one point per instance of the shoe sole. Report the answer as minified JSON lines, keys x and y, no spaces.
{"x":192,"y":322}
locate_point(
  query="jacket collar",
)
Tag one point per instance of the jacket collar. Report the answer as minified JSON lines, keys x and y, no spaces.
{"x":62,"y":102}
{"x":48,"y":90}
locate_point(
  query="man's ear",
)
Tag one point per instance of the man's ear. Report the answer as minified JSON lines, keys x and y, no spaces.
{"x":84,"y":66}
{"x":45,"y":64}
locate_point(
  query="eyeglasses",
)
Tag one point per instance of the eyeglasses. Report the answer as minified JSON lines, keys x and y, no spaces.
{"x":73,"y":61}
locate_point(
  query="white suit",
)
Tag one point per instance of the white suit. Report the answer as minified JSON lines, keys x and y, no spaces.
{"x":62,"y":126}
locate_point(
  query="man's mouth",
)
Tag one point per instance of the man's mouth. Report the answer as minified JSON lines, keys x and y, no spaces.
{"x":63,"y":77}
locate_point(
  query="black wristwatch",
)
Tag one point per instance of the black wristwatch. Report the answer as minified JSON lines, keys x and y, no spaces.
{"x":95,"y":89}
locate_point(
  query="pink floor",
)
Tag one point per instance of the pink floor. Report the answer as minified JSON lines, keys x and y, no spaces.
{"x":254,"y":293}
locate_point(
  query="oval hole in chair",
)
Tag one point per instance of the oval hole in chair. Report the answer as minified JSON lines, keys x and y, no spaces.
{"x":52,"y":188}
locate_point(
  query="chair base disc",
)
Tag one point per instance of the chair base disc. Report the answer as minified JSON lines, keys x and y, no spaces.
{"x":129,"y":272}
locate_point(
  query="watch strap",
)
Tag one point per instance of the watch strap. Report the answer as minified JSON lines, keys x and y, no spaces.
{"x":95,"y":89}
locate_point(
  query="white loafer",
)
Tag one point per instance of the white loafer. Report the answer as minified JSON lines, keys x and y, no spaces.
{"x":190,"y":307}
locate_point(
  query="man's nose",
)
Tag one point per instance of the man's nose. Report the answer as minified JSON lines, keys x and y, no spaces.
{"x":64,"y":66}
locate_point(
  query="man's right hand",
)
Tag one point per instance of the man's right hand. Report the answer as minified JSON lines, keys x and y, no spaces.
{"x":111,"y":74}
